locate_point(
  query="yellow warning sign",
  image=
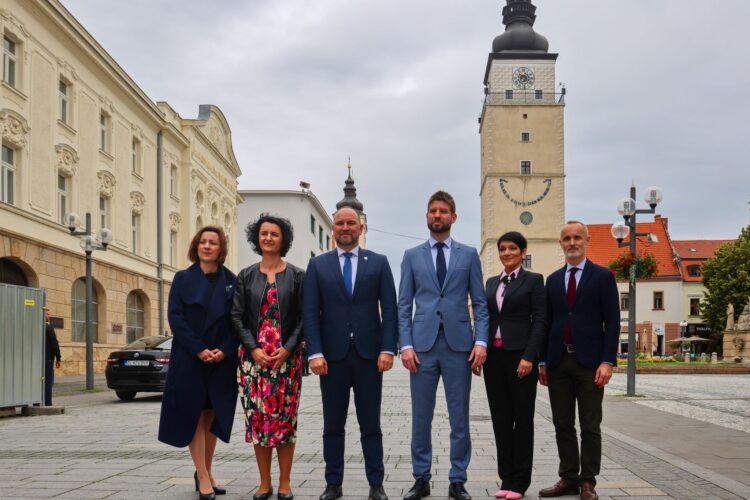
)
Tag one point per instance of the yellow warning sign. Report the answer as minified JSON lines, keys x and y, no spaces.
{"x":29,"y":302}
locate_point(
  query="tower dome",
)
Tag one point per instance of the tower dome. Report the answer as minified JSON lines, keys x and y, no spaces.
{"x":519,"y":36}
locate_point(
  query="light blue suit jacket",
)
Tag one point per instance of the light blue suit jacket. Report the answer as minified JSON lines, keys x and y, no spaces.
{"x":449,"y":305}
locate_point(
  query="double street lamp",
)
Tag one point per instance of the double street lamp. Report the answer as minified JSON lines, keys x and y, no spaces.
{"x":89,"y":243}
{"x":620,"y":231}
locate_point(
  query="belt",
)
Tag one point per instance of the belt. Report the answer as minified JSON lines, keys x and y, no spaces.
{"x":569,"y":348}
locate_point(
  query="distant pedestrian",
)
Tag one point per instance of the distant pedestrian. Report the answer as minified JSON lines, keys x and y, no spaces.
{"x":52,"y":357}
{"x":267,"y":316}
{"x":200,"y":396}
{"x":577,"y":359}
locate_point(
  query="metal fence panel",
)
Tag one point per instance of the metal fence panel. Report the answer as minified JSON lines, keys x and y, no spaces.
{"x":21,"y":345}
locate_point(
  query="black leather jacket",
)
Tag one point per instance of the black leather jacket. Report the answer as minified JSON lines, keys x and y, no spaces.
{"x":248,"y":297}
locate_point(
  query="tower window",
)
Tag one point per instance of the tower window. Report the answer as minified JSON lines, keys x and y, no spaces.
{"x":539,"y":94}
{"x":525,"y":136}
{"x":525,"y":167}
{"x":525,"y":116}
{"x":509,"y":94}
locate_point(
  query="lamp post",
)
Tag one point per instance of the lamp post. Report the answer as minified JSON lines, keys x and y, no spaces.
{"x":683,"y":331}
{"x":620,"y":231}
{"x":89,"y":244}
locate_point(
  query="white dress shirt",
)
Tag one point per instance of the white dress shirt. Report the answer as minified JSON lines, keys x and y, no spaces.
{"x":500,"y":295}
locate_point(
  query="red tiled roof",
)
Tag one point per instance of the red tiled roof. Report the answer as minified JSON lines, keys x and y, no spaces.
{"x":698,"y":249}
{"x":696,"y":252}
{"x":603,"y":248}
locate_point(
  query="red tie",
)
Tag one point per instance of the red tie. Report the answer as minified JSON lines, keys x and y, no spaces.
{"x":571,"y":298}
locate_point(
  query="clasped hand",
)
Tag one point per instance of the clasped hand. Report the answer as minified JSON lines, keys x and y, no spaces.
{"x":274,"y":360}
{"x":211,"y":355}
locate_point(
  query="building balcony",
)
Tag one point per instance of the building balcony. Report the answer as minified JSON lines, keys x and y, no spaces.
{"x":524,"y":98}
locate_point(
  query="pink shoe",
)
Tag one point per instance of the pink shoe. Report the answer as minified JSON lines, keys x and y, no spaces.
{"x":512,"y":495}
{"x":502,"y":494}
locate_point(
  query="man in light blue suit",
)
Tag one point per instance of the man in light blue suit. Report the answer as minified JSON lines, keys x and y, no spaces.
{"x":440,"y":276}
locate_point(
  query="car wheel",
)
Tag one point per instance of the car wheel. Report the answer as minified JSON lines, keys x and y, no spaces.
{"x":125,"y":395}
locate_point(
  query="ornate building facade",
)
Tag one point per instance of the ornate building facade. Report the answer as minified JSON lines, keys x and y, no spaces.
{"x":522,"y":144}
{"x":79,"y":135}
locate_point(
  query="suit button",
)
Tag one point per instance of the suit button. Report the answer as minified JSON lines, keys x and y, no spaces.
{"x":570,"y":314}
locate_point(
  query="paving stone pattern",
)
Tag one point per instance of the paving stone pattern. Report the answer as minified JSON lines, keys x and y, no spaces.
{"x":103,"y":448}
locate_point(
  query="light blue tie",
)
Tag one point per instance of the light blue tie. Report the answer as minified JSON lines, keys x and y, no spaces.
{"x":348,"y":272}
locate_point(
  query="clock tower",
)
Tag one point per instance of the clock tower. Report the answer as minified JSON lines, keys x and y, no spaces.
{"x":521,"y":135}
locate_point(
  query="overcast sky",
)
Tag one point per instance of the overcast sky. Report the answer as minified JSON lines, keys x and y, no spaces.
{"x":658,"y":92}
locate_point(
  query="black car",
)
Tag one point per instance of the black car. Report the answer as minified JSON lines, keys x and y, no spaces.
{"x":140,"y":366}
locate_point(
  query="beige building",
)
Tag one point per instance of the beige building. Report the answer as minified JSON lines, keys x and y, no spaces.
{"x":79,"y":135}
{"x":522,"y":145}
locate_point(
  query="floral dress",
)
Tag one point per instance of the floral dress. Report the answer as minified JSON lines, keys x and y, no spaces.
{"x":270,"y":397}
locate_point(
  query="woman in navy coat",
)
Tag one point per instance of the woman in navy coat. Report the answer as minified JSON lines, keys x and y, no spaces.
{"x":200,"y":395}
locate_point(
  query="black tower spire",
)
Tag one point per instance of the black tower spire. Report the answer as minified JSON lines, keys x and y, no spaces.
{"x":350,"y":193}
{"x":519,"y":36}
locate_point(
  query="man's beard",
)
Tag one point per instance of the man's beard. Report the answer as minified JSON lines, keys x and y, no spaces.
{"x":439,"y":230}
{"x":354,"y":240}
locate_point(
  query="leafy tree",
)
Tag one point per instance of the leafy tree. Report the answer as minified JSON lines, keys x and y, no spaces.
{"x":727,"y":280}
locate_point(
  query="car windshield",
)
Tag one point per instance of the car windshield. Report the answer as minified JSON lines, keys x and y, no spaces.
{"x":153,"y":342}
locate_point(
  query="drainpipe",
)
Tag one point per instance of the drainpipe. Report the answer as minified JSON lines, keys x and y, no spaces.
{"x":159,"y":229}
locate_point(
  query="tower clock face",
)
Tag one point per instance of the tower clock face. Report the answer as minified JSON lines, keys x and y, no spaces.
{"x":523,"y":78}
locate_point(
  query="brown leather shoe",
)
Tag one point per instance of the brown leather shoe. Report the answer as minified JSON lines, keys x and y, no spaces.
{"x":560,"y":488}
{"x":588,"y":492}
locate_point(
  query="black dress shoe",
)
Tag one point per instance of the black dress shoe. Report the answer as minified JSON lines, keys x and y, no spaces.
{"x":457,"y":491}
{"x":420,"y":489}
{"x":285,"y":496}
{"x":263,"y":496}
{"x":331,"y":492}
{"x":377,"y":493}
{"x":217,"y":489}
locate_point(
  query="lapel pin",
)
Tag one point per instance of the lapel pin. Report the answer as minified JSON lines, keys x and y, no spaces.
{"x":365,"y":257}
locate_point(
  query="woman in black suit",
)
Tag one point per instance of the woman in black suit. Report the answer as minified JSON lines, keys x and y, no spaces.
{"x":200,"y":395}
{"x":517,"y":304}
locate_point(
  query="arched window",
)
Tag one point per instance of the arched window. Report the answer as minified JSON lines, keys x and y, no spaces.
{"x":78,"y":311}
{"x":12,"y":274}
{"x":135,"y":316}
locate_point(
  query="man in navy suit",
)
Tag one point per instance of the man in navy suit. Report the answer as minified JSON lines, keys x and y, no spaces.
{"x":578,"y":358}
{"x":351,"y":329}
{"x":440,"y":276}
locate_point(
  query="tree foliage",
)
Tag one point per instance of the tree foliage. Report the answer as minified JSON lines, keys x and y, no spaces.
{"x":727,"y":280}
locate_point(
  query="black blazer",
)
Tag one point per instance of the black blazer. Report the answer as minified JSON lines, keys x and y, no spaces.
{"x":248,"y":297}
{"x":595,"y":317}
{"x":524,"y":313}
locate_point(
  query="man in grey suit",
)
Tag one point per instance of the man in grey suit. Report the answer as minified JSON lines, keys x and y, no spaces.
{"x":439,"y":276}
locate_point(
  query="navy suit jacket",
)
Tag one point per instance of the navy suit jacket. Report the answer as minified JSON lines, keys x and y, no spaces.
{"x":447,"y":305}
{"x":330,"y":316}
{"x":199,"y":318}
{"x":595,"y":317}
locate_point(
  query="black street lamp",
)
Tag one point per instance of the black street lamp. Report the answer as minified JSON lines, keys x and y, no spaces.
{"x":620,"y":231}
{"x":89,"y":244}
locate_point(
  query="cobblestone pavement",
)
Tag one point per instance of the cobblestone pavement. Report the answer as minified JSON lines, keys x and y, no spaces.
{"x":103,"y":448}
{"x":719,"y":399}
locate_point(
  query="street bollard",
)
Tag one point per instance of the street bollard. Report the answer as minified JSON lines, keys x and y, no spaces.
{"x":714,"y":357}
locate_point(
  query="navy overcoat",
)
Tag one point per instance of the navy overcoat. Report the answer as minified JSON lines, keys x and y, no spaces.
{"x":199,"y":318}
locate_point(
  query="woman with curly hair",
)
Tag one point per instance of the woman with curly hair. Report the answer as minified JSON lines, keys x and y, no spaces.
{"x":267,"y":317}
